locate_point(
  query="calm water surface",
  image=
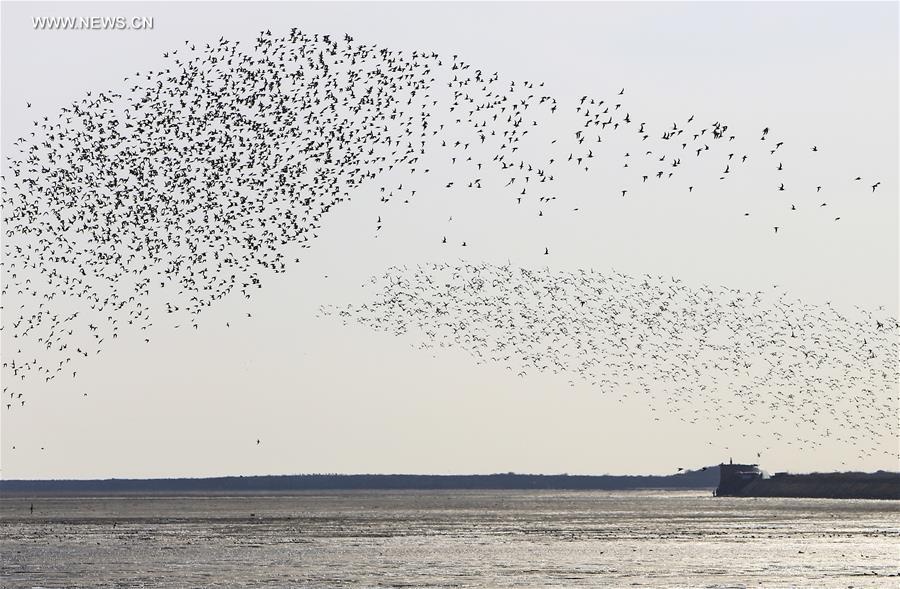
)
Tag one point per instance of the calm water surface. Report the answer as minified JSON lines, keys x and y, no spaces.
{"x":449,"y":539}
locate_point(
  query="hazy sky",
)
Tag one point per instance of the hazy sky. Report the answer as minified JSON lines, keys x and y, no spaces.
{"x":322,"y":397}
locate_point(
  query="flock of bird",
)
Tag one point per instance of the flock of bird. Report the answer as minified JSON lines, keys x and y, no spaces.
{"x":192,"y":181}
{"x":753,"y":363}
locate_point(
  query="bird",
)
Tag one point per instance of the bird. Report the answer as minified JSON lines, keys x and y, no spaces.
{"x":613,"y":332}
{"x":257,"y":145}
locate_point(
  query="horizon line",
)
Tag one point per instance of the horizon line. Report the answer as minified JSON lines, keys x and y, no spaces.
{"x":400,"y":474}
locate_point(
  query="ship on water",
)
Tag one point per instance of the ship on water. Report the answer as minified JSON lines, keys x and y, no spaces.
{"x":747,"y":480}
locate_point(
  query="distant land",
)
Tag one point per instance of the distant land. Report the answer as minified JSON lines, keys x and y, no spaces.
{"x":707,"y":478}
{"x":735,"y":480}
{"x":747,"y":480}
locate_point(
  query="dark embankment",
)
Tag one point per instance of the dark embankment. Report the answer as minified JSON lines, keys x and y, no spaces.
{"x":747,"y":480}
{"x":699,"y":479}
{"x":838,"y":485}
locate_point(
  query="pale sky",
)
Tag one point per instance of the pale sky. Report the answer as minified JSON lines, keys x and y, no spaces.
{"x":324,"y":397}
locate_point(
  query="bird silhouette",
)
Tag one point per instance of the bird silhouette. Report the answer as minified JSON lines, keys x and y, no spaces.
{"x":626,"y":335}
{"x":199,"y":178}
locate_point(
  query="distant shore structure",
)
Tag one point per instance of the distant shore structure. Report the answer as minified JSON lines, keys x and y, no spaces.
{"x":734,"y":480}
{"x":747,"y":480}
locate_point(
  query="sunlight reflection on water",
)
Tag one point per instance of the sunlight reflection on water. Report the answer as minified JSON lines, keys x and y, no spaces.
{"x":449,"y":539}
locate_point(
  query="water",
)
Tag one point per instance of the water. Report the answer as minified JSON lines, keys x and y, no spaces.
{"x":449,"y":539}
